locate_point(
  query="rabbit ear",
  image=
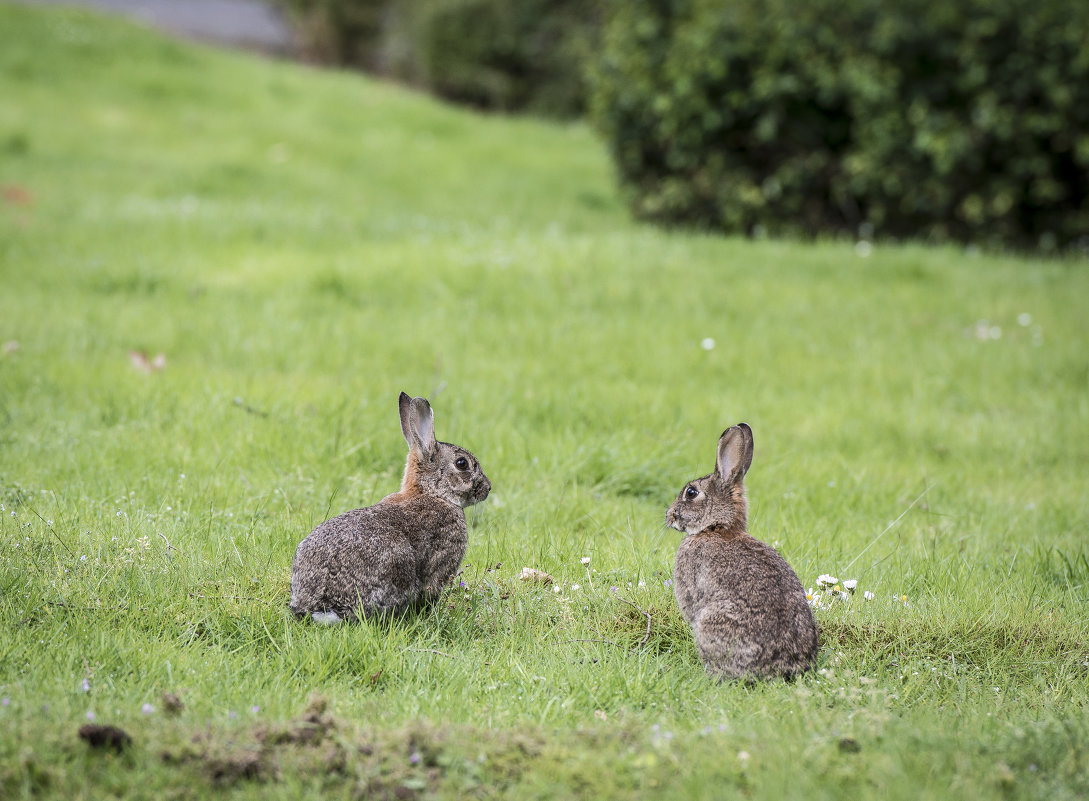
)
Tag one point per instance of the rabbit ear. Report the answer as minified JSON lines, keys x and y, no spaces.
{"x":423,"y":421}
{"x":404,"y":405}
{"x":735,"y":449}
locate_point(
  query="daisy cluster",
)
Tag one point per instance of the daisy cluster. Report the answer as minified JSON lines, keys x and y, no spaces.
{"x":830,"y":590}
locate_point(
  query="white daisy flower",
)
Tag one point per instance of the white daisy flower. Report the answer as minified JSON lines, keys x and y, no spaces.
{"x":585,"y":560}
{"x":869,"y":596}
{"x":850,"y":585}
{"x":827,"y":580}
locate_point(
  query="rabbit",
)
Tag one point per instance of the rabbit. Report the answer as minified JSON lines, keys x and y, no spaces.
{"x":396,"y":555}
{"x":746,"y":606}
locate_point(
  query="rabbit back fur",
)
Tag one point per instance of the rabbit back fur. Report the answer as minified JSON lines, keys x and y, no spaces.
{"x":339,"y":569}
{"x":750,"y":620}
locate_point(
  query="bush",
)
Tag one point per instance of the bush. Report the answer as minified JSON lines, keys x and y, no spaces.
{"x":964,"y":119}
{"x":346,"y":32}
{"x":528,"y":55}
{"x":511,"y":56}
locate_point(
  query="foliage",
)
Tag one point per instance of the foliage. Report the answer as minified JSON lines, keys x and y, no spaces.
{"x":526,"y":56}
{"x":341,"y":31}
{"x":925,"y":118}
{"x":297,"y":270}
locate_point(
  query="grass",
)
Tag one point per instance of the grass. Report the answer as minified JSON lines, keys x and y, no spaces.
{"x":302,"y":245}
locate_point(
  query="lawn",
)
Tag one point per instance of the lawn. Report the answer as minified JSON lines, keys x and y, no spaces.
{"x":300,"y":246}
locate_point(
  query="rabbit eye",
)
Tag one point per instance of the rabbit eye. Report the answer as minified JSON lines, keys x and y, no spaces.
{"x":461,"y":463}
{"x":691,"y":493}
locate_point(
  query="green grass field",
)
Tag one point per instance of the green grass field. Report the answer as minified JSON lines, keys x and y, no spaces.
{"x":301,"y":246}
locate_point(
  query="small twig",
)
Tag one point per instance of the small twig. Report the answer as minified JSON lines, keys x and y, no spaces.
{"x":51,"y":530}
{"x":118,"y":608}
{"x":169,"y":547}
{"x":639,"y":644}
{"x":241,"y":404}
{"x":428,"y":651}
{"x":646,"y":636}
{"x":890,"y":525}
{"x":607,"y":642}
{"x":351,"y":450}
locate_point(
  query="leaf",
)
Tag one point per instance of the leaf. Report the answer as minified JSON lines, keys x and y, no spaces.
{"x":531,"y":574}
{"x":141,"y":362}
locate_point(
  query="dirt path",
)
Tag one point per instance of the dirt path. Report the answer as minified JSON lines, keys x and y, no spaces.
{"x":239,"y":23}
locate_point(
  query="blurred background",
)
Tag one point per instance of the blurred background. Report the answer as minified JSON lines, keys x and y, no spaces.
{"x":925,"y":120}
{"x":255,"y":24}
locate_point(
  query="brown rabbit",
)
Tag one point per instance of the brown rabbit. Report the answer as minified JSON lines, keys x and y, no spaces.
{"x":745,"y":604}
{"x":391,"y":556}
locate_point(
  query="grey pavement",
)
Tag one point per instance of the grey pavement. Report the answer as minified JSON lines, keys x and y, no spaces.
{"x":239,"y":23}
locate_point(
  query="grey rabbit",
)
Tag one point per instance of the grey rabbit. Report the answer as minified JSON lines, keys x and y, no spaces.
{"x":397,"y":554}
{"x":745,"y":604}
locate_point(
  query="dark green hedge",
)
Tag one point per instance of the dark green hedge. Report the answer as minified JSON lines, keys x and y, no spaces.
{"x":527,"y":56}
{"x":964,"y":119}
{"x":345,"y":32}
